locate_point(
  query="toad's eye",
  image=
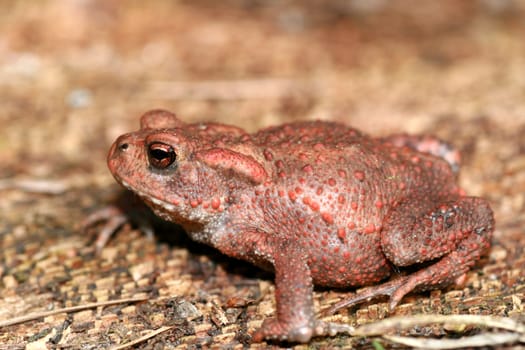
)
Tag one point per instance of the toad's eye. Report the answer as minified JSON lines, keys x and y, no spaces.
{"x":161,"y":155}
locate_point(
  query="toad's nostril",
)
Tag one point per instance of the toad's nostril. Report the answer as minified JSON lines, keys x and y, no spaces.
{"x":123,"y":147}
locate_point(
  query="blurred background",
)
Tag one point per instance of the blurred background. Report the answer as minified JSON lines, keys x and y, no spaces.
{"x":75,"y":74}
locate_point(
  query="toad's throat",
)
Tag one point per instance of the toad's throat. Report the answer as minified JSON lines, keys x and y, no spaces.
{"x":171,"y":212}
{"x":156,"y":204}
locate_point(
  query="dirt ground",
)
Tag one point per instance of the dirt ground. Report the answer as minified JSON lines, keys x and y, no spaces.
{"x":75,"y":74}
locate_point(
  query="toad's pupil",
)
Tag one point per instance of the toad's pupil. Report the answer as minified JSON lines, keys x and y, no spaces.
{"x":161,"y":155}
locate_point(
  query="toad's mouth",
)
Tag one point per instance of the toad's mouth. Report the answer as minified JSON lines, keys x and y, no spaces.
{"x":180,"y":212}
{"x":159,"y":206}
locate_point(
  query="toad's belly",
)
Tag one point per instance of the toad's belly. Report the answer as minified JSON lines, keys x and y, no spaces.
{"x":349,"y":267}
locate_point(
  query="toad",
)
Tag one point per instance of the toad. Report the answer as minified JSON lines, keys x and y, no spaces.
{"x":318,"y":202}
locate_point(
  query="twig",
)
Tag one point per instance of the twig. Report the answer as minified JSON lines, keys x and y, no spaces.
{"x":143,"y":338}
{"x":35,"y":186}
{"x":404,"y":322}
{"x":38,"y":315}
{"x":486,"y":339}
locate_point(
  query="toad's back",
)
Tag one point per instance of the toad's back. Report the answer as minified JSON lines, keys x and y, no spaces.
{"x":341,"y":158}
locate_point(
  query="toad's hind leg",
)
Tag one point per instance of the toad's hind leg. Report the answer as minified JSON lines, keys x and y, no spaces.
{"x":454,"y":235}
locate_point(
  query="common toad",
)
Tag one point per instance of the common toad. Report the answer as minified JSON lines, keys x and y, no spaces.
{"x":318,"y":202}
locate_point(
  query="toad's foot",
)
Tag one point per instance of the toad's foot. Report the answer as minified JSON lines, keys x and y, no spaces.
{"x":274,"y":330}
{"x":391,"y":289}
{"x":434,"y":276}
{"x":112,"y":218}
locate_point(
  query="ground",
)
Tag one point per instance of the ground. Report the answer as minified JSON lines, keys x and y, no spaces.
{"x":76,"y":74}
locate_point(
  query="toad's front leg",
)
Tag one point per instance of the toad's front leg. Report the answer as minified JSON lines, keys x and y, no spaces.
{"x":295,"y":319}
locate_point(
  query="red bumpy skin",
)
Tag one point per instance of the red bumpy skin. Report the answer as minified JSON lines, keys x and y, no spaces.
{"x":319,"y":202}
